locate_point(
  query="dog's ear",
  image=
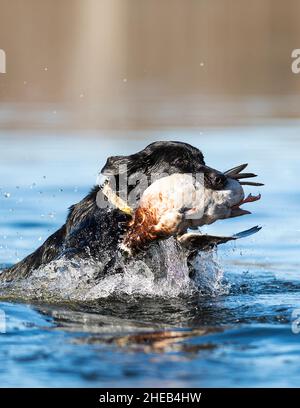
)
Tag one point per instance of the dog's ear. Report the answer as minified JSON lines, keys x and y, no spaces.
{"x":116,"y":165}
{"x":113,"y":164}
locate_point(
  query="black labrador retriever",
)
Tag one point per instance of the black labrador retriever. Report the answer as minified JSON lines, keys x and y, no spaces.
{"x":98,"y":224}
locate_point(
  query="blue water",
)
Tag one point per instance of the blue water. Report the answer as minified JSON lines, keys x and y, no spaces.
{"x":238,"y":335}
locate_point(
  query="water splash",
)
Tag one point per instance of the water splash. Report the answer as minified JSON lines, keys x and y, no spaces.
{"x":209,"y":275}
{"x":166,"y":275}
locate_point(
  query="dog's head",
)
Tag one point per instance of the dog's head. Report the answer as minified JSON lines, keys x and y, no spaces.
{"x":163,"y":158}
{"x":158,"y":157}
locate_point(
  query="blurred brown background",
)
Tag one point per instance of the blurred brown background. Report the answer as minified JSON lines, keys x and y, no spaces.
{"x":147,"y":63}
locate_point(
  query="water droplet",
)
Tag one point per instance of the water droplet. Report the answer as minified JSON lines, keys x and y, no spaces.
{"x":6,"y":195}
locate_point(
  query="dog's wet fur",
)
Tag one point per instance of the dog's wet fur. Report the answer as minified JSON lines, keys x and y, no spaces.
{"x":91,"y":231}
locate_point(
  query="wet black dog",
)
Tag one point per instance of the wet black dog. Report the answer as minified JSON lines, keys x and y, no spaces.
{"x":95,"y":231}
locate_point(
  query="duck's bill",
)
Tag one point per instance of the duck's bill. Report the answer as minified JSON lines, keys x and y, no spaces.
{"x":198,"y":242}
{"x":236,"y":211}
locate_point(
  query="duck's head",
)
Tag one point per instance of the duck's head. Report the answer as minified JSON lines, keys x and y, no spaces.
{"x":223,"y":194}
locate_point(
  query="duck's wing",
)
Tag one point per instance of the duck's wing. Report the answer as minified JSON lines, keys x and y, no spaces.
{"x":196,"y":241}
